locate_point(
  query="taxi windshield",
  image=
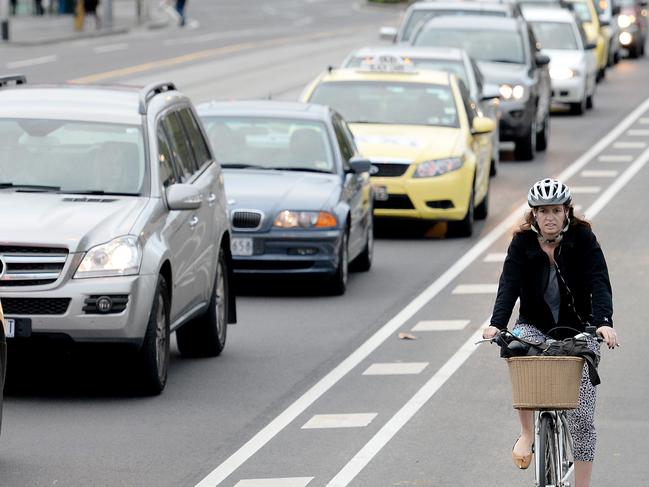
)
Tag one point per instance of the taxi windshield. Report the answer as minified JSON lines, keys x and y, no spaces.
{"x":270,"y":143}
{"x":389,"y":102}
{"x":482,"y":44}
{"x":71,"y":156}
{"x":449,"y":65}
{"x":555,"y":35}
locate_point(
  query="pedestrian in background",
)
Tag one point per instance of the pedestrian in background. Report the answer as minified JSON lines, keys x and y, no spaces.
{"x":90,"y":8}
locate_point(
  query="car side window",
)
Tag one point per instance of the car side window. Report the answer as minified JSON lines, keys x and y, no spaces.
{"x":535,"y":46}
{"x":166,"y":167}
{"x":346,"y":147}
{"x":195,"y":137}
{"x":479,"y":79}
{"x":469,"y":105}
{"x":181,"y":151}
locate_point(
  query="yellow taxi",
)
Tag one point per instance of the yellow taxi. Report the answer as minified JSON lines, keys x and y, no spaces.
{"x":596,"y":33}
{"x":429,"y":145}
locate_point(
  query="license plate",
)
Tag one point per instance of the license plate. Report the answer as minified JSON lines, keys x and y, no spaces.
{"x":381,"y":193}
{"x":241,"y":246}
{"x":10,"y":326}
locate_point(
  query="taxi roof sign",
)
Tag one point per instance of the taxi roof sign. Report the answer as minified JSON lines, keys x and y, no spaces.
{"x":387,"y":63}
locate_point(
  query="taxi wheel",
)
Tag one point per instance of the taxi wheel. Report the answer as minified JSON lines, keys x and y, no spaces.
{"x":482,"y":210}
{"x":580,"y":107}
{"x":338,"y":282}
{"x":589,"y":101}
{"x":153,"y":357}
{"x":543,"y":136}
{"x":464,"y":227}
{"x":633,"y":51}
{"x":205,"y":335}
{"x":526,"y":146}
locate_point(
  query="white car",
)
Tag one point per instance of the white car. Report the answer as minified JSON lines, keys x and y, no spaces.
{"x":573,"y":66}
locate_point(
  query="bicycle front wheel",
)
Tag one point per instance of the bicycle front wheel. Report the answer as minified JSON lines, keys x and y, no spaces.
{"x":547,"y":453}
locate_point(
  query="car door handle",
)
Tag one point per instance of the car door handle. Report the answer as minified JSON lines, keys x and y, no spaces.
{"x":193,"y":222}
{"x":211,"y":198}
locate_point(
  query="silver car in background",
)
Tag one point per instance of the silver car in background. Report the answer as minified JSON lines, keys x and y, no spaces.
{"x":453,"y":60}
{"x":573,"y":67}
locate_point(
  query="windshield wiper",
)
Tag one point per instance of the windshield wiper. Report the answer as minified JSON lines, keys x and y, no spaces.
{"x":29,"y":187}
{"x":96,"y":192}
{"x":301,"y":169}
{"x":508,"y":61}
{"x":235,"y":165}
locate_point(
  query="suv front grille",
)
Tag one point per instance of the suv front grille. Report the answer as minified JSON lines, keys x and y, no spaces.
{"x":389,"y":170}
{"x":31,"y":266}
{"x":35,"y":306}
{"x":246,"y":220}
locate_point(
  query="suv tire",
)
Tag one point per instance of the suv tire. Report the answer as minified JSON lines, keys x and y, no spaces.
{"x":525,"y":146}
{"x":205,"y":335}
{"x":153,"y":357}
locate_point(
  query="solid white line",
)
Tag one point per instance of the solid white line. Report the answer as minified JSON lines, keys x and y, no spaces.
{"x":615,"y":158}
{"x":495,"y":257}
{"x":392,"y":427}
{"x":585,"y":189}
{"x":396,"y":368}
{"x":110,"y":48}
{"x":261,"y":438}
{"x":284,"y":482}
{"x":638,"y":133}
{"x":599,"y":173}
{"x":629,"y":145}
{"x":325,"y":421}
{"x":32,"y":62}
{"x":441,"y":325}
{"x":475,"y":289}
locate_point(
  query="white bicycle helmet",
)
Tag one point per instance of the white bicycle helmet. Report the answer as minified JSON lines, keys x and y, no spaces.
{"x":548,"y":192}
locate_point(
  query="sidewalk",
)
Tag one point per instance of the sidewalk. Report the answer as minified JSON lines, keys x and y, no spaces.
{"x":30,"y":30}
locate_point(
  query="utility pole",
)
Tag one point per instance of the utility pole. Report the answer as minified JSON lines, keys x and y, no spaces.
{"x":4,"y":20}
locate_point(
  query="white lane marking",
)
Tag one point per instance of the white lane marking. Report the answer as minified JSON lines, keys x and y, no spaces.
{"x":285,"y":482}
{"x":441,"y":325}
{"x":110,"y":48}
{"x":32,"y":62}
{"x":629,"y":145}
{"x":324,"y":421}
{"x":644,"y":121}
{"x":392,"y":427}
{"x":638,"y":133}
{"x":396,"y":368}
{"x":261,"y":438}
{"x":585,"y":189}
{"x":615,"y":158}
{"x":423,"y":395}
{"x":495,"y":257}
{"x":599,"y":173}
{"x":303,"y":21}
{"x":475,"y":289}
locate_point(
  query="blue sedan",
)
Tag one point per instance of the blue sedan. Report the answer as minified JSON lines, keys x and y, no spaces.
{"x":298,"y":191}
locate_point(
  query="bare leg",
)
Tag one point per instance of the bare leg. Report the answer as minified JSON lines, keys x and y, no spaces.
{"x":524,"y":444}
{"x":583,"y":471}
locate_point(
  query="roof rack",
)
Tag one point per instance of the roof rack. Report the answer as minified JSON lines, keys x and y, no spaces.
{"x":149,"y":91}
{"x":20,"y":79}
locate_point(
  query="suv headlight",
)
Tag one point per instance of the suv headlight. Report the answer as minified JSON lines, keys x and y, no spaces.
{"x":508,"y":92}
{"x":437,"y":167}
{"x":624,"y":21}
{"x":119,"y":257}
{"x":305,"y":219}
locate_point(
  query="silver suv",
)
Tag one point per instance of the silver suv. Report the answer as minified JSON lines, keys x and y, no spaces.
{"x":114,"y":222}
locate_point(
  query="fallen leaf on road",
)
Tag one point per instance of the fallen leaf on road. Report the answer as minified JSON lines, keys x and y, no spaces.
{"x":406,"y":336}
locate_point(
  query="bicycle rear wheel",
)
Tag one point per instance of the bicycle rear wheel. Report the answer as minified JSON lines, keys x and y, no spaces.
{"x":547,"y":453}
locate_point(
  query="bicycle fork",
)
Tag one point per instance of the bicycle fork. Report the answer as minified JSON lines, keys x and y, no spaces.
{"x":562,"y":454}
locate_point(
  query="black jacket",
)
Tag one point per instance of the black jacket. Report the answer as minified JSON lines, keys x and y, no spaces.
{"x":525,"y":276}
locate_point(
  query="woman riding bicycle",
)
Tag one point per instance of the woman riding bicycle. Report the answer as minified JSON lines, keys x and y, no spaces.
{"x":556,"y":268}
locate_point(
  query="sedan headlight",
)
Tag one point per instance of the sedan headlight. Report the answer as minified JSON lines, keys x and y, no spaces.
{"x":624,"y":21}
{"x":563,"y":73}
{"x":305,"y":219}
{"x":437,"y":167}
{"x":509,"y":92}
{"x":119,"y":257}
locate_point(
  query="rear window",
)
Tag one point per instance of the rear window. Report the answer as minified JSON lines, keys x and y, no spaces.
{"x":73,"y":156}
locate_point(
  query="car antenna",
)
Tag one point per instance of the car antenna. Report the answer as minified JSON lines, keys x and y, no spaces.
{"x":330,"y":68}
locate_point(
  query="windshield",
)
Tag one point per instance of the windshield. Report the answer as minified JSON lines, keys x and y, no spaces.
{"x":420,"y":17}
{"x":71,"y":156}
{"x":448,"y":65}
{"x":270,"y":143}
{"x":582,"y":11}
{"x":555,"y":35}
{"x":390,"y":103}
{"x":482,"y":45}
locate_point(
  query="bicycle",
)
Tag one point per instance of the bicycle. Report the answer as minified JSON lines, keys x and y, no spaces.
{"x":553,"y":447}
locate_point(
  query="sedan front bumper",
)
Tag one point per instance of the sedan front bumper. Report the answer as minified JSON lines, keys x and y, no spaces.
{"x":516,"y":119}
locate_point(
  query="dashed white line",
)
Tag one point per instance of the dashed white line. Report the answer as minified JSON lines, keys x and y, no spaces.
{"x":599,"y":173}
{"x":615,"y":158}
{"x":32,"y":62}
{"x":325,"y":421}
{"x":495,"y":257}
{"x":624,"y":144}
{"x":110,"y":48}
{"x":638,"y":133}
{"x":585,"y":189}
{"x":475,"y":289}
{"x":280,"y":482}
{"x":644,"y":121}
{"x":396,"y":368}
{"x":441,"y":325}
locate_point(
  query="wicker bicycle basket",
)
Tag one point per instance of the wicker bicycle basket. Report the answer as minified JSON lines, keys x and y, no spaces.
{"x":545,"y":382}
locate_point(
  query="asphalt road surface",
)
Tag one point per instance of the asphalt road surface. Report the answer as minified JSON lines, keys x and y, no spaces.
{"x":320,"y":391}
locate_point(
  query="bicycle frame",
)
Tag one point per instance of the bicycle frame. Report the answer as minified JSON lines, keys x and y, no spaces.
{"x":563,"y":455}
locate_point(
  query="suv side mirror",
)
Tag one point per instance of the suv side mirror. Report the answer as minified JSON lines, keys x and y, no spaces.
{"x":183,"y":197}
{"x":542,"y":60}
{"x":482,"y":125}
{"x":590,"y":46}
{"x":388,"y":34}
{"x":360,"y":165}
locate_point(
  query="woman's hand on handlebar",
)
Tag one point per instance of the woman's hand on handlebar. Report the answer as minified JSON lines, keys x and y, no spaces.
{"x":490,"y":332}
{"x":609,"y":335}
